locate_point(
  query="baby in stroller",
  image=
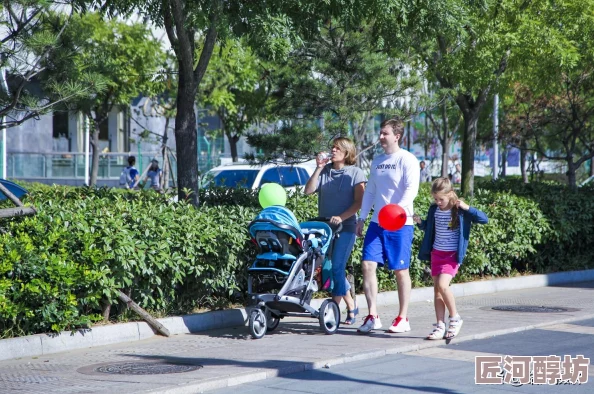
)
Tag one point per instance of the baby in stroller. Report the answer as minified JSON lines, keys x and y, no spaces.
{"x":282,"y":279}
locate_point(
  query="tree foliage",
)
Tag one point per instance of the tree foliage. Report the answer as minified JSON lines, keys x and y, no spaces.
{"x":466,"y":47}
{"x":552,"y":89}
{"x":337,"y":81}
{"x":195,"y":27}
{"x":124,"y":57}
{"x":235,"y":88}
{"x":24,"y":44}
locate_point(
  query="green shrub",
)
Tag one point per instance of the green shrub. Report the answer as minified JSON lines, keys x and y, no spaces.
{"x":59,"y":267}
{"x":568,"y":243}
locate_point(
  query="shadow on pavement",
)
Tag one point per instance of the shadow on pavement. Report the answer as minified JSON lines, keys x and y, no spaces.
{"x":288,"y":369}
{"x":580,"y":285}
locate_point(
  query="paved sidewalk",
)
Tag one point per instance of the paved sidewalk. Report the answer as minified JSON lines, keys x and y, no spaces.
{"x":229,"y":356}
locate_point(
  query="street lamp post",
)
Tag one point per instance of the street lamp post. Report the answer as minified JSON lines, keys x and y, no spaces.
{"x":495,"y":132}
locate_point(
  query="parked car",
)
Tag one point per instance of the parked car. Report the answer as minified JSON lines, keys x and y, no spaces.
{"x":254,"y":176}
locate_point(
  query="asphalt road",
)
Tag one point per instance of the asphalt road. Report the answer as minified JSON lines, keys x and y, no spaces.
{"x":445,"y":369}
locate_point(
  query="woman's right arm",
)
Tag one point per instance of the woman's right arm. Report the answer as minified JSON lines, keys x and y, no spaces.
{"x":312,"y":184}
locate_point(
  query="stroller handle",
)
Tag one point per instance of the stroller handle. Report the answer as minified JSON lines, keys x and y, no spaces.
{"x":327,"y":219}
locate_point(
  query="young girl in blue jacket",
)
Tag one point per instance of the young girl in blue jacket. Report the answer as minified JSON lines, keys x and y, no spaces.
{"x":447,"y":230}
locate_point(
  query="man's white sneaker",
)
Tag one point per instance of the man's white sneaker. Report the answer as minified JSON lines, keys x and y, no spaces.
{"x":378,"y":323}
{"x":370,"y":323}
{"x":399,"y":325}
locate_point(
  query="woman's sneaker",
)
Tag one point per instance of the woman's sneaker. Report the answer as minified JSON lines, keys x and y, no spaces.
{"x":399,"y":325}
{"x":370,"y":323}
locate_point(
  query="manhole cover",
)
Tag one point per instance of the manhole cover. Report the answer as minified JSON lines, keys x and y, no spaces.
{"x":529,"y":308}
{"x":135,"y":368}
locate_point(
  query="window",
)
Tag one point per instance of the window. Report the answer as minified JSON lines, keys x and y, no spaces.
{"x":271,"y":176}
{"x":290,"y":177}
{"x":104,"y":130}
{"x":60,"y":133}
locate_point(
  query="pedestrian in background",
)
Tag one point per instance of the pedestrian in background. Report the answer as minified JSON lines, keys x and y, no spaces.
{"x":425,"y":175}
{"x":457,"y":175}
{"x":155,"y":174}
{"x":129,"y":175}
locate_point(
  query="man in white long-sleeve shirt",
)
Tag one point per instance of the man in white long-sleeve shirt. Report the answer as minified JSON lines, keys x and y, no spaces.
{"x":394,"y":179}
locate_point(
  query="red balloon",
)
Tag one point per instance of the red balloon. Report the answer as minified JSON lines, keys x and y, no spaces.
{"x":392,"y":217}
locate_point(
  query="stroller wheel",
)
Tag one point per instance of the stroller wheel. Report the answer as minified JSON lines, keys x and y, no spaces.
{"x":257,"y":323}
{"x":271,"y":322}
{"x":329,"y":316}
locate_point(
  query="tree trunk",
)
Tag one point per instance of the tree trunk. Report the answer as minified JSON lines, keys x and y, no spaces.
{"x":185,"y":137}
{"x":105,"y":309}
{"x":95,"y":157}
{"x":444,"y":160}
{"x":427,"y":143}
{"x":165,"y":178}
{"x":18,"y":211}
{"x":445,"y":144}
{"x":523,"y":162}
{"x":154,"y":323}
{"x":359,"y":131}
{"x":233,"y":139}
{"x":470,"y":109}
{"x":468,"y":149}
{"x":504,"y":161}
{"x":571,"y":170}
{"x":182,"y":37}
{"x":408,"y":136}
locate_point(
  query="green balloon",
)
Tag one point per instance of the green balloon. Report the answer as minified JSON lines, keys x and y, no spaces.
{"x":272,"y":194}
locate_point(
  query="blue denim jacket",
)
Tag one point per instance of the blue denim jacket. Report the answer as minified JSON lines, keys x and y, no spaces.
{"x":473,"y":215}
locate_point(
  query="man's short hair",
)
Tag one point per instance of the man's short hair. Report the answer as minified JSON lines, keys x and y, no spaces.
{"x":131,"y":160}
{"x":397,"y":126}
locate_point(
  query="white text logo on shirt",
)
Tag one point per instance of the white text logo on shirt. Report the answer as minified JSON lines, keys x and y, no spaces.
{"x":386,"y":167}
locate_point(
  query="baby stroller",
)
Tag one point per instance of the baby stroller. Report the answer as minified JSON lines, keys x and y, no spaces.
{"x":282,"y":279}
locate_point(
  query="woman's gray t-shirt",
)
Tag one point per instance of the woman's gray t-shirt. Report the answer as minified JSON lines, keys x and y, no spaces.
{"x":336,"y":192}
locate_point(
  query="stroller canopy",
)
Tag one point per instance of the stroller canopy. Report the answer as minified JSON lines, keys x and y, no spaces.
{"x":276,"y":217}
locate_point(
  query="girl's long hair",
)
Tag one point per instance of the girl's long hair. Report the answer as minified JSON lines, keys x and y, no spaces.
{"x":443,"y":186}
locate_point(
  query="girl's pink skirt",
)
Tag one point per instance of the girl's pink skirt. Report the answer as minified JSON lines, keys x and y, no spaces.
{"x":444,"y":263}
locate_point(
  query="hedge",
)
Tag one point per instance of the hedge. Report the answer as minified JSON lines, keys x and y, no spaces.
{"x":59,"y":267}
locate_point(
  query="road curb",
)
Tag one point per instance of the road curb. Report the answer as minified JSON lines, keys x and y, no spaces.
{"x":42,"y":344}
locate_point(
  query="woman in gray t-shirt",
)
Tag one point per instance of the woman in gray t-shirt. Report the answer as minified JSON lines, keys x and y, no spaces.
{"x":340,"y":186}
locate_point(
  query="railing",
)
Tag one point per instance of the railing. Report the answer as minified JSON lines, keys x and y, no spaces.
{"x":71,"y":165}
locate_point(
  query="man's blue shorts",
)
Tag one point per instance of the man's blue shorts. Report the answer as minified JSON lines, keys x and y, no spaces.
{"x":393,"y":247}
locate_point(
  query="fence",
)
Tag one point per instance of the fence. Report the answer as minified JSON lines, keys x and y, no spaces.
{"x":69,"y":167}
